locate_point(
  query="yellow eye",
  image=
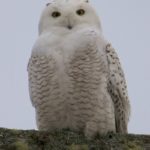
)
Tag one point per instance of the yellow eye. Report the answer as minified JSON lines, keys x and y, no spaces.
{"x":80,"y":12}
{"x":56,"y":14}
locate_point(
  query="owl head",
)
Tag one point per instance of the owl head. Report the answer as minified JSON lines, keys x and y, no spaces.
{"x":68,"y":16}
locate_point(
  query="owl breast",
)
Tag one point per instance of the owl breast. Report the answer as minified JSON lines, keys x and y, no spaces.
{"x":75,"y":72}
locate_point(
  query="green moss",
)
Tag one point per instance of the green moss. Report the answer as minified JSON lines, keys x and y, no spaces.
{"x":11,"y":139}
{"x":78,"y":147}
{"x":18,"y":146}
{"x":14,"y":131}
{"x":132,"y":146}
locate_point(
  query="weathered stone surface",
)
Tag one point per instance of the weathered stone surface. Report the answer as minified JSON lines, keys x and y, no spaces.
{"x":11,"y":139}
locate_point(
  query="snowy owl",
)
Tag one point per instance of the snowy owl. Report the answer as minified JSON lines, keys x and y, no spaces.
{"x":75,"y":77}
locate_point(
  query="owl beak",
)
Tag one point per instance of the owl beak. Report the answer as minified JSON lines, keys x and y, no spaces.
{"x":69,"y":22}
{"x":69,"y":27}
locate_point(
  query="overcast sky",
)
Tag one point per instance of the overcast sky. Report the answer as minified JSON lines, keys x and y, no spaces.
{"x":126,"y":24}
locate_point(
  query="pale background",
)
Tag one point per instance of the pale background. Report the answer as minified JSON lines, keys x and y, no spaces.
{"x":126,"y":23}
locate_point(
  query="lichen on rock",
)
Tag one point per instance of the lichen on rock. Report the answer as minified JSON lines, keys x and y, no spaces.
{"x":11,"y":139}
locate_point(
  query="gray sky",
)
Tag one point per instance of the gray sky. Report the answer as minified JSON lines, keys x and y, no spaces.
{"x":126,"y":24}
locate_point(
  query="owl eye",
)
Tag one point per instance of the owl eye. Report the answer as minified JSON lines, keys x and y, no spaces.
{"x":80,"y":12}
{"x":56,"y":14}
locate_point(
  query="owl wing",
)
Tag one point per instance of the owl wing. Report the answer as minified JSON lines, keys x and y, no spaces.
{"x":118,"y":90}
{"x":40,"y":74}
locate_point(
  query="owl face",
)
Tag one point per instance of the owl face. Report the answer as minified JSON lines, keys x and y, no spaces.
{"x":68,"y":16}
